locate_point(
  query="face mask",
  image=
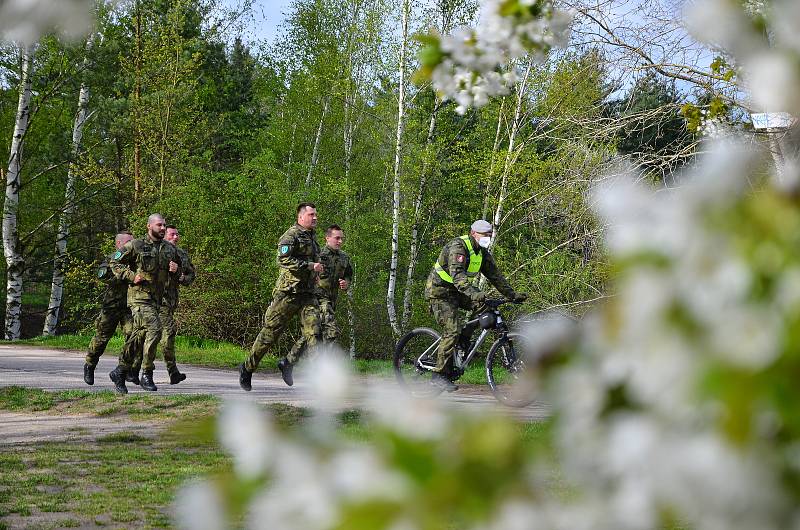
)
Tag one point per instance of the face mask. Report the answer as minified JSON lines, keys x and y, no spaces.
{"x":484,"y":241}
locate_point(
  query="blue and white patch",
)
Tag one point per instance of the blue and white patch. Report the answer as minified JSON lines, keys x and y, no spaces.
{"x":117,"y":254}
{"x":284,"y":250}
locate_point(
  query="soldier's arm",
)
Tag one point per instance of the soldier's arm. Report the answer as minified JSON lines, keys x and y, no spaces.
{"x":495,"y":277}
{"x":104,"y":272}
{"x":122,"y":263}
{"x":348,"y":271}
{"x":457,"y":267}
{"x":286,"y":257}
{"x":188,"y":270}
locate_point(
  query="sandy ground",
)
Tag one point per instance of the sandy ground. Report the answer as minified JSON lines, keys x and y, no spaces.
{"x":49,"y":369}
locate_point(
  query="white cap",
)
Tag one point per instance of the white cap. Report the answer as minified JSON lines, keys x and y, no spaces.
{"x":482,"y":227}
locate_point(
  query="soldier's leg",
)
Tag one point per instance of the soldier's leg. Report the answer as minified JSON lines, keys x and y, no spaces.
{"x":298,"y":348}
{"x":327,"y":320}
{"x":282,"y":308}
{"x":151,"y":338}
{"x":105,"y":324}
{"x":469,"y":329}
{"x":169,"y":330}
{"x":446,"y":314}
{"x":133,"y":343}
{"x":309,"y":325}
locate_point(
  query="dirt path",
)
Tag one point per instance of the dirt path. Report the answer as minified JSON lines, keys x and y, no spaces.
{"x":54,"y":370}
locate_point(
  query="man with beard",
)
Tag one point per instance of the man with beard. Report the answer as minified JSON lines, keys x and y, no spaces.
{"x":146,"y":265}
{"x":184,"y":276}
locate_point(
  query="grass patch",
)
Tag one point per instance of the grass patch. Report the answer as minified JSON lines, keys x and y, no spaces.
{"x":17,"y":398}
{"x":122,"y":437}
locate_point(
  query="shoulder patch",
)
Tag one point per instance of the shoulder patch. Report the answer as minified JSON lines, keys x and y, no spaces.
{"x":284,"y":249}
{"x":460,"y":258}
{"x":117,"y":254}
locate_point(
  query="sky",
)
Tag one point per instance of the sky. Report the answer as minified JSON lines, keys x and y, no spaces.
{"x":267,"y":16}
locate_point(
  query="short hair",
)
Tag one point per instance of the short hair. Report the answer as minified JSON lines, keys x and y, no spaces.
{"x":121,"y":233}
{"x":331,"y":228}
{"x":303,"y":205}
{"x":153,"y":217}
{"x":172,"y":227}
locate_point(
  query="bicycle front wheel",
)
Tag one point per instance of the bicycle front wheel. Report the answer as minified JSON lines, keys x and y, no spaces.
{"x":510,"y":378}
{"x":414,"y":360}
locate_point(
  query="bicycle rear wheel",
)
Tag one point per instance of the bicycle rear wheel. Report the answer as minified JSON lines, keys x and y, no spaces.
{"x":414,"y":358}
{"x":510,"y":378}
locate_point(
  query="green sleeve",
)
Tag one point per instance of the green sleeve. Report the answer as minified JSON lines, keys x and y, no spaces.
{"x":188,"y":269}
{"x":492,"y":273}
{"x":123,"y":263}
{"x":348,"y":271}
{"x":286,"y":257}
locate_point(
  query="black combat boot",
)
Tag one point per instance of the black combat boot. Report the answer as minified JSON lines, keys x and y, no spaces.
{"x":118,"y":376}
{"x":133,"y":376}
{"x":88,"y":374}
{"x":286,"y":371}
{"x":147,"y":381}
{"x":245,"y":376}
{"x":176,"y":377}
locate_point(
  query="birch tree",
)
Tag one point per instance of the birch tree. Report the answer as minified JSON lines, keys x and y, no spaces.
{"x":59,"y":263}
{"x":15,"y":263}
{"x":398,"y":153}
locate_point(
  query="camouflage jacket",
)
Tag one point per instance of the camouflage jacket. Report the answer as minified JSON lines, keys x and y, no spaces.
{"x":336,"y":266}
{"x":149,"y":259}
{"x":454,"y":258}
{"x":297,"y":251}
{"x":174,"y":280}
{"x":116,"y":291}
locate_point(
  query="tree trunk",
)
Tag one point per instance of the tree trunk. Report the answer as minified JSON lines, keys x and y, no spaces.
{"x":509,"y":162}
{"x":15,"y":264}
{"x":390,"y":293}
{"x":59,"y":263}
{"x":414,"y":251}
{"x":490,"y":173}
{"x":137,"y":94}
{"x":317,"y":139}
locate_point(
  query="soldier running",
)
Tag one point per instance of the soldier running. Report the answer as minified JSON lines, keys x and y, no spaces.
{"x":114,"y":311}
{"x":298,"y":259}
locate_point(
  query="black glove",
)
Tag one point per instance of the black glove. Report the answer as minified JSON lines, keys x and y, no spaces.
{"x":520,"y":297}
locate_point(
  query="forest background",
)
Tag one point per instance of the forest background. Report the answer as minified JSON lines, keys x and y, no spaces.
{"x":225,"y":138}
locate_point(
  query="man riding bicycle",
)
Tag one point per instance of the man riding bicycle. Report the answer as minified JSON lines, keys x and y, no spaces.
{"x":450,"y":288}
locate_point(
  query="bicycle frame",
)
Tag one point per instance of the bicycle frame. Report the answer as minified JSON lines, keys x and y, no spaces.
{"x":459,"y":362}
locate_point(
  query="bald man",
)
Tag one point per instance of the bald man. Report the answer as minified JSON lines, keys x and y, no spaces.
{"x":114,"y":311}
{"x":146,"y":265}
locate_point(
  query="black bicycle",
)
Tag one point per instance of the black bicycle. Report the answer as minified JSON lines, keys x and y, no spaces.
{"x":415,"y":359}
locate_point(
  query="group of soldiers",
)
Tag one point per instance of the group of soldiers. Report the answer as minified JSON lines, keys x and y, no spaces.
{"x":143,"y":277}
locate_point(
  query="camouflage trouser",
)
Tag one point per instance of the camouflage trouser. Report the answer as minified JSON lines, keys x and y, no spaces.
{"x":327,"y":322}
{"x":144,"y":338}
{"x":105,"y":324}
{"x":283,"y":307}
{"x":168,"y":331}
{"x":447,"y":315}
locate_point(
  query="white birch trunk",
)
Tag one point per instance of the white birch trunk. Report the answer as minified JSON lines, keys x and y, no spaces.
{"x":59,"y":263}
{"x":490,"y":173}
{"x":509,"y":162}
{"x":15,"y":264}
{"x":317,"y":139}
{"x":414,"y":251}
{"x":398,"y":147}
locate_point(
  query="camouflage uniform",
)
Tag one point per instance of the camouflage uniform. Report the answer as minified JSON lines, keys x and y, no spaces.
{"x":113,"y":311}
{"x":294,"y":293}
{"x":336,"y":266}
{"x":149,"y":259}
{"x":166,"y":313}
{"x":446,"y":298}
